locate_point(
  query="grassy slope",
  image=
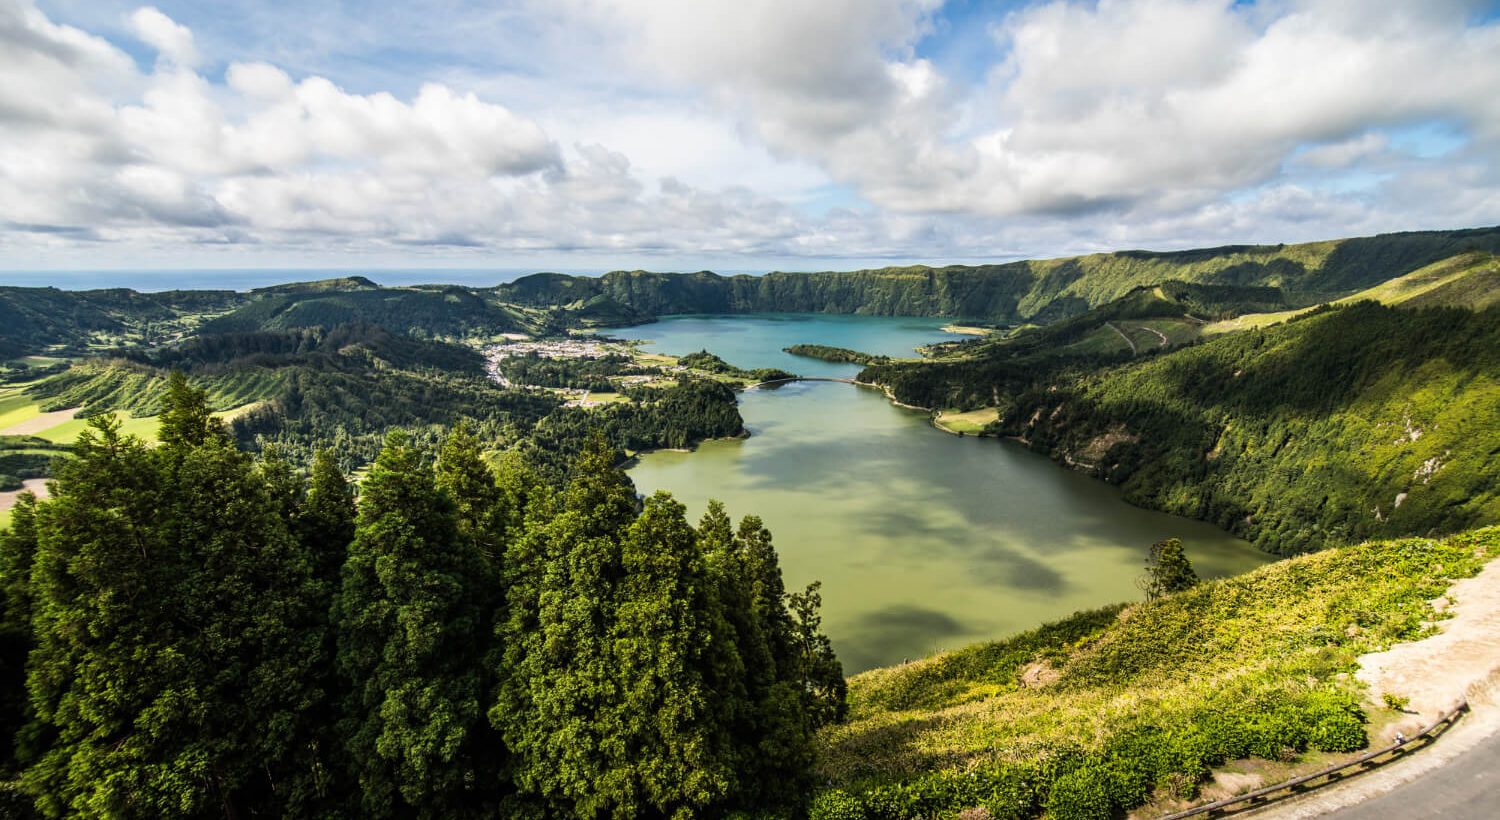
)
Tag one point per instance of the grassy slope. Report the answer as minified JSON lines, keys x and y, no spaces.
{"x":1470,"y":280}
{"x":1145,"y":699}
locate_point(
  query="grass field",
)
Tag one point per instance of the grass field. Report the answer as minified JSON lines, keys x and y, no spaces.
{"x":16,"y":407}
{"x":971,"y":423}
{"x":1102,"y":712}
{"x":604,"y":398}
{"x":144,"y":427}
{"x":1469,"y":280}
{"x":68,"y":431}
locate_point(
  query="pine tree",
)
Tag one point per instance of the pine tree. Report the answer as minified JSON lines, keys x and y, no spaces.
{"x":325,"y":520}
{"x":673,"y":755}
{"x":186,"y":420}
{"x":284,"y":485}
{"x":174,"y":624}
{"x":468,"y":480}
{"x":412,"y":628}
{"x":17,"y":551}
{"x":559,"y":683}
{"x":822,"y":674}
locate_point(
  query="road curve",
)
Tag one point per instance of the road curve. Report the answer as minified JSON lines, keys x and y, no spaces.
{"x":1467,"y":788}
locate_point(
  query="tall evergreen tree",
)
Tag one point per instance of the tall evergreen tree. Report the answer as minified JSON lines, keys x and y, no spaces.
{"x":186,"y":420}
{"x":822,"y":674}
{"x":325,"y":521}
{"x":174,"y":628}
{"x":17,"y":551}
{"x":412,"y":629}
{"x":469,"y":481}
{"x":673,"y":755}
{"x":560,"y":682}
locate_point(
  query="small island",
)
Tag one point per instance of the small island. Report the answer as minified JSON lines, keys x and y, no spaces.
{"x":836,"y":354}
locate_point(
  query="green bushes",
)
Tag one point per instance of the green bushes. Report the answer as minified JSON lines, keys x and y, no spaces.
{"x":1171,"y":757}
{"x":1140,"y":702}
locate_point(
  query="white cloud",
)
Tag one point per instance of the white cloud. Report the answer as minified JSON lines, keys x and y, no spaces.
{"x":173,"y":42}
{"x":707,"y":129}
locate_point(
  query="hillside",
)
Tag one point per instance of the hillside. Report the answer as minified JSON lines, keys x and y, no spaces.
{"x":35,"y":320}
{"x":437,"y":312}
{"x":1352,"y":422}
{"x":1468,"y":280}
{"x":1040,"y":290}
{"x":1099,"y":713}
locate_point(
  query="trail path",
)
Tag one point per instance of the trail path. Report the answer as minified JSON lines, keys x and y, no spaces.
{"x":40,"y":422}
{"x":1123,"y":335}
{"x":35,"y":485}
{"x":1158,"y":333}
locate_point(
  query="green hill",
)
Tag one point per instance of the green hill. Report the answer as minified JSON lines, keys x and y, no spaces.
{"x":439,"y":313}
{"x":1469,"y":280}
{"x":35,"y":320}
{"x":1095,"y":715}
{"x":1348,"y":422}
{"x":1039,"y":290}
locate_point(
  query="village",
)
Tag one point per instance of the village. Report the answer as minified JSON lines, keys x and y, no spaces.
{"x":575,"y":348}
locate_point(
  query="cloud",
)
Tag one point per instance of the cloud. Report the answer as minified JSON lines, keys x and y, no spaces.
{"x":755,"y":131}
{"x":174,"y":43}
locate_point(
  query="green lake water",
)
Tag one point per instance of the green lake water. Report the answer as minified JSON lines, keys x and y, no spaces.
{"x":923,"y":540}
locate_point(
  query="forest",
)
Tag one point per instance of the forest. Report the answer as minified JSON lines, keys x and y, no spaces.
{"x":190,"y":631}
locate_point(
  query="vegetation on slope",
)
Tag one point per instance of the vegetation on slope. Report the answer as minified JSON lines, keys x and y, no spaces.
{"x":1346,"y":423}
{"x":1096,"y":714}
{"x":347,"y":387}
{"x":709,"y":363}
{"x":33,"y":320}
{"x":1470,"y":280}
{"x":1352,"y":423}
{"x":1040,"y":291}
{"x":435,"y":313}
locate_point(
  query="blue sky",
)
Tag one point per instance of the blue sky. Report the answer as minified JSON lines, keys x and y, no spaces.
{"x":730,"y":134}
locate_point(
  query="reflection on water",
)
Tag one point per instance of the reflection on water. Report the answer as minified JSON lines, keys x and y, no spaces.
{"x":922,"y":540}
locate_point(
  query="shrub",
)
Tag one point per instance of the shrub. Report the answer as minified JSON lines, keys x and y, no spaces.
{"x":1395,"y":703}
{"x":836,"y":804}
{"x":1082,"y":794}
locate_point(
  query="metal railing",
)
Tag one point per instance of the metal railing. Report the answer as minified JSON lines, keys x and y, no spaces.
{"x":1330,"y":772}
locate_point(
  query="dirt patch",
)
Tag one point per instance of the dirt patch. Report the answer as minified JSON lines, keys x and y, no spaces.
{"x":1095,"y":450}
{"x":1037,"y":674}
{"x":35,"y":485}
{"x":1229,"y":784}
{"x":1438,"y":672}
{"x":40,"y":422}
{"x":1462,"y":661}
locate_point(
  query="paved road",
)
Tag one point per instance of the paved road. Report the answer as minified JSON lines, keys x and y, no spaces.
{"x":1467,"y":788}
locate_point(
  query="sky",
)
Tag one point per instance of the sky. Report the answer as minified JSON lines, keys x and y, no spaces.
{"x":738,"y":135}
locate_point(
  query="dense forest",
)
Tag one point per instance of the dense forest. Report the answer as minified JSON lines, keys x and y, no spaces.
{"x":201,"y":633}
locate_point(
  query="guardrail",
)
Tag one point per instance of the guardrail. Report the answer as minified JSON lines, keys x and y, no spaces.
{"x":1330,"y":772}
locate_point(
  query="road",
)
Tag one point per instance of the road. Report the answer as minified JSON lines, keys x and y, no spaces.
{"x":1467,"y":788}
